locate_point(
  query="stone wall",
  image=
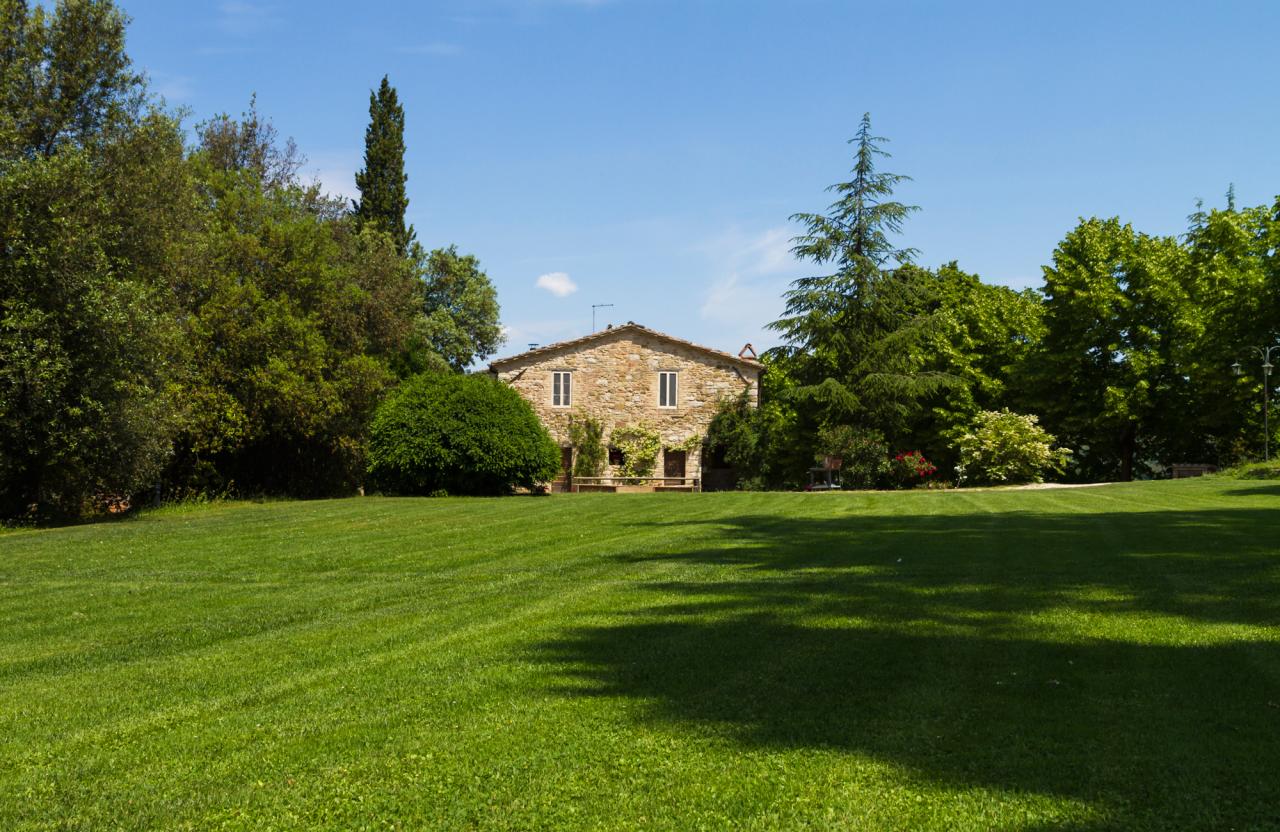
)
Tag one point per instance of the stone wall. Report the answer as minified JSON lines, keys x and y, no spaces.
{"x":615,"y":380}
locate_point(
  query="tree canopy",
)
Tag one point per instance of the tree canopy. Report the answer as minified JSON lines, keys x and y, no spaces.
{"x":187,"y":315}
{"x":459,"y":320}
{"x":1123,"y":354}
{"x":852,"y":334}
{"x":66,"y":78}
{"x":93,"y":196}
{"x":180,"y":313}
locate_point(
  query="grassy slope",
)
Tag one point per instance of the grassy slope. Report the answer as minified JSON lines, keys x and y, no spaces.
{"x":1092,"y":658}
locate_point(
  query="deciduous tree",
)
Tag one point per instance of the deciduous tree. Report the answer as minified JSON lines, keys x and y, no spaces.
{"x":294,"y":318}
{"x":67,"y":79}
{"x":458,"y":320}
{"x":1112,"y":373}
{"x":94,"y":200}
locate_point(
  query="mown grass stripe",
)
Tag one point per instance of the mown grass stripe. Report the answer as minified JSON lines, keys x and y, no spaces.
{"x":1085,"y":658}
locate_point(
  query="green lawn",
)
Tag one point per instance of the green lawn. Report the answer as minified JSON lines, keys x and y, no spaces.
{"x":1096,"y":658}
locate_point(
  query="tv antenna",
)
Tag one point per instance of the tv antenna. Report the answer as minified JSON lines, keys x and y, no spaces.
{"x":594,"y":307}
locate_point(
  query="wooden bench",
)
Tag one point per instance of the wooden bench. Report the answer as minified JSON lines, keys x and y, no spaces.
{"x":1184,"y":470}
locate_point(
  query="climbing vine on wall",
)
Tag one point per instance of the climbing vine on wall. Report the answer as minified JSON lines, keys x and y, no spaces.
{"x":587,"y":437}
{"x":639,"y":444}
{"x":689,"y":445}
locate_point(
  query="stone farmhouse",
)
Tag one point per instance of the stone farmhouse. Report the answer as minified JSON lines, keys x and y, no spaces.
{"x":628,"y":375}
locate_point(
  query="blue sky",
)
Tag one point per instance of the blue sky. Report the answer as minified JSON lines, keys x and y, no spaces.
{"x":648,"y":154}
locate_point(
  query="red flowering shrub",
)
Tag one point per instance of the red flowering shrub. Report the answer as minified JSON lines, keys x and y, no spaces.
{"x":910,"y":468}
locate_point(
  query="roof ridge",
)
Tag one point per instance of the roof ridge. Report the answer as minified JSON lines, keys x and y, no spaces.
{"x":611,"y":330}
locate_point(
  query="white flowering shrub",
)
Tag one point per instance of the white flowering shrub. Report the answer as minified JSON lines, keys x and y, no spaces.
{"x":1001,"y":447}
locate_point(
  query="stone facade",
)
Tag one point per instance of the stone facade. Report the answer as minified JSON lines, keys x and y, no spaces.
{"x":615,"y":379}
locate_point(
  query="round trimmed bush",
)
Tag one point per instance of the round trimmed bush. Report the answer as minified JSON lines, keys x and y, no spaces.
{"x":460,"y":434}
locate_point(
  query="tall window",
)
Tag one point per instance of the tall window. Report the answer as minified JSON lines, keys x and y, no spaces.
{"x":561,"y":389}
{"x":666,"y":389}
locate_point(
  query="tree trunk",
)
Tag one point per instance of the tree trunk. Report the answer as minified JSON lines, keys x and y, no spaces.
{"x":1128,"y":446}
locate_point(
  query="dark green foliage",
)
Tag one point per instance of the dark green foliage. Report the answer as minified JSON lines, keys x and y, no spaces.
{"x":250,"y":145}
{"x":193,"y":319}
{"x":1234,"y":256}
{"x":1142,"y":331}
{"x":736,"y":435}
{"x":458,"y":322}
{"x":66,"y":78}
{"x":465,"y":434}
{"x":853,"y":335}
{"x":86,"y":396}
{"x":1118,"y":318}
{"x":1124,"y":354}
{"x":586,"y":434}
{"x":196,"y":320}
{"x":294,"y":319}
{"x":93,"y":197}
{"x":883,"y":344}
{"x":863,"y":454}
{"x":760,"y":443}
{"x":768,"y":446}
{"x":985,"y":337}
{"x":383,"y":200}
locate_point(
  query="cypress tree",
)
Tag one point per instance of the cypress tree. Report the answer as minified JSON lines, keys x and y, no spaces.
{"x":382,"y":193}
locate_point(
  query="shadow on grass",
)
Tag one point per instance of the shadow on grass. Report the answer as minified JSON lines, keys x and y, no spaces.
{"x":1270,"y":490}
{"x":1130,"y":660}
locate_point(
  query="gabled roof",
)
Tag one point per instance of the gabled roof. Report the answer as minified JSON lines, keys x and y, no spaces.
{"x":629,"y":326}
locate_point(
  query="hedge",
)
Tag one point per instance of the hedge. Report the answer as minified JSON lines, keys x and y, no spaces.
{"x":458,"y":434}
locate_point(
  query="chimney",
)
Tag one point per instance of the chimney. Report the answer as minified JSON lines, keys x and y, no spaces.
{"x":747,"y":351}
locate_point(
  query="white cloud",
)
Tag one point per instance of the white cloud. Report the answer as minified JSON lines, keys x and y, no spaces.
{"x":336,"y":172}
{"x":750,"y":271}
{"x":438,"y":49}
{"x":557,"y":283}
{"x":765,"y":253}
{"x":171,"y":87}
{"x":735,"y":300}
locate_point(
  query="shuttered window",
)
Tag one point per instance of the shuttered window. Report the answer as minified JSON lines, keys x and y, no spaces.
{"x":667,"y":389}
{"x":561,"y":389}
